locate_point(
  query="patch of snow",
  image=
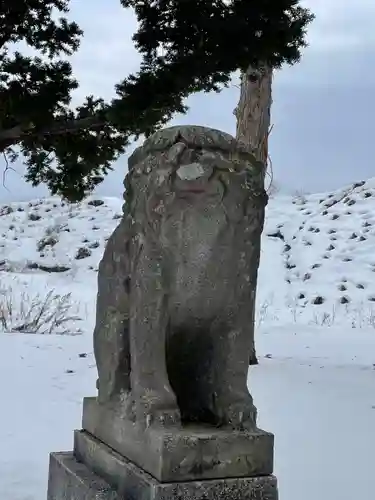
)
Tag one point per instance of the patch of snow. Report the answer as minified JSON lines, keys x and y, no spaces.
{"x":314,"y":389}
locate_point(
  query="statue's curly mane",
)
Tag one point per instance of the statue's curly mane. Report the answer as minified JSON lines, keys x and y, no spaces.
{"x":144,"y":192}
{"x":149,"y":185}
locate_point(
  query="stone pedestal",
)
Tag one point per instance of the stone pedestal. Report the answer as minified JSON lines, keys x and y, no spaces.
{"x":181,"y":453}
{"x":72,"y":479}
{"x":115,"y":459}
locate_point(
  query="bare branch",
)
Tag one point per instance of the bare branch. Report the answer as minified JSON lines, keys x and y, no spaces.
{"x":7,"y":168}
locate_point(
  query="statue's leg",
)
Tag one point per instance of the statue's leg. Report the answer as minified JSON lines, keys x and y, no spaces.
{"x":232,"y":402}
{"x":153,"y":396}
{"x":111,"y":347}
{"x":111,"y":333}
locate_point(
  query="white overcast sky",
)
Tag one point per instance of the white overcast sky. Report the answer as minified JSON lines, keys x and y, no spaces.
{"x":323,"y":107}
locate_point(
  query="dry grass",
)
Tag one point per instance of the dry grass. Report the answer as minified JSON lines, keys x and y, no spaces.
{"x":42,"y":314}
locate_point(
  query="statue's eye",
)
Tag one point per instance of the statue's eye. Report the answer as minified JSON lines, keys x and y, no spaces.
{"x":162,"y":175}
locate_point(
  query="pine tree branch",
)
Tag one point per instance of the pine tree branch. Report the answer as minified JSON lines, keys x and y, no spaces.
{"x":14,"y":135}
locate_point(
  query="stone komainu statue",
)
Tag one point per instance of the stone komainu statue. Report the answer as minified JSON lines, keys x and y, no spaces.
{"x":176,"y":282}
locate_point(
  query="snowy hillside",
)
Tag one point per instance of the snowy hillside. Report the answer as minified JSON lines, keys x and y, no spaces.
{"x":318,"y":259}
{"x":317,"y":264}
{"x":47,"y":246}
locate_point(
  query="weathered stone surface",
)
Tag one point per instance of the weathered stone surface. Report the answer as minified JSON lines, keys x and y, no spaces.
{"x":175,"y":454}
{"x":73,"y":481}
{"x":177,"y":280}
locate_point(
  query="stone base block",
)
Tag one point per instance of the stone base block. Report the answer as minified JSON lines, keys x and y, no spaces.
{"x":69,"y":479}
{"x":182,"y":453}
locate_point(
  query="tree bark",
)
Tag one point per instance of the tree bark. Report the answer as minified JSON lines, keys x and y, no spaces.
{"x":253,"y":114}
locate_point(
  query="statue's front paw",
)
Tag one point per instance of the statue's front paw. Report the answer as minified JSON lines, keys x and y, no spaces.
{"x":164,"y":418}
{"x":239,"y":414}
{"x":158,"y":408}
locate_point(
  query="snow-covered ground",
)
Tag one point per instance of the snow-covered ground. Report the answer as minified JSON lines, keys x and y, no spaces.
{"x":314,"y":386}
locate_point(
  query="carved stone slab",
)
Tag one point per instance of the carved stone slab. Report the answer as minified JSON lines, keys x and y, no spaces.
{"x":181,"y":454}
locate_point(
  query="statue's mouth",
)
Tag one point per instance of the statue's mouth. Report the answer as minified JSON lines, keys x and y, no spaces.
{"x":200,"y":188}
{"x":193,"y":190}
{"x":191,"y":187}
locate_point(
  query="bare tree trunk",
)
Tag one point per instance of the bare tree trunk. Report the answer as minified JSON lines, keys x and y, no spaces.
{"x":253,"y":114}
